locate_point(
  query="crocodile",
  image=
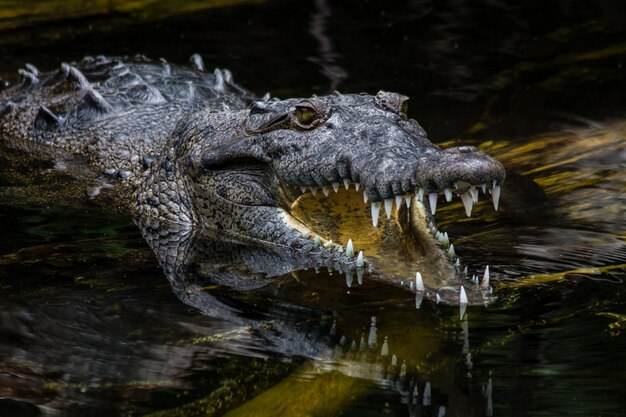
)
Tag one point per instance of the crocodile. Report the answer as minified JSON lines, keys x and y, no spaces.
{"x":192,"y":154}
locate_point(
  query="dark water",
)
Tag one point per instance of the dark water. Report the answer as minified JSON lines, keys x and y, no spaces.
{"x":89,"y":326}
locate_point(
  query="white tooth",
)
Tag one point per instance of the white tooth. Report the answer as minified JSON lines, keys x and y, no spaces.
{"x":349,"y":279}
{"x":359,"y":275}
{"x":432,"y":199}
{"x":458,"y":262}
{"x":317,"y":240}
{"x":336,"y":186}
{"x":349,"y":248}
{"x":493,"y":184}
{"x":463,"y":296}
{"x":465,"y":270}
{"x":357,"y":185}
{"x":438,"y":236}
{"x":451,"y":252}
{"x":438,"y":298}
{"x":364,"y":196}
{"x":485,"y":281}
{"x":325,"y":190}
{"x":448,"y":194}
{"x":313,"y":190}
{"x":346,"y":183}
{"x":446,"y":239}
{"x":328,"y":244}
{"x":375,"y":212}
{"x":407,"y":200}
{"x":496,"y":196}
{"x":385,"y":349}
{"x":419,"y":283}
{"x":411,"y":285}
{"x":359,"y":260}
{"x":398,"y":202}
{"x":466,"y":198}
{"x":484,"y":187}
{"x":303,"y":189}
{"x":420,"y":194}
{"x":388,"y":206}
{"x":474,"y":194}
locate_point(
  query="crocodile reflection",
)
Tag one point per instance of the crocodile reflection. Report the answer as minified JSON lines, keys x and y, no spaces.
{"x":202,"y":273}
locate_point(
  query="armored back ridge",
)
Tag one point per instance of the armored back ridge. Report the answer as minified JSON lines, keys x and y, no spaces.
{"x":197,"y":156}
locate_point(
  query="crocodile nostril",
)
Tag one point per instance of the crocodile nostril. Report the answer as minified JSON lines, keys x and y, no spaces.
{"x":466,"y":149}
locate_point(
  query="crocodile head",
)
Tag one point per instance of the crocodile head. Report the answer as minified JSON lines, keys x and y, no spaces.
{"x":293,"y":175}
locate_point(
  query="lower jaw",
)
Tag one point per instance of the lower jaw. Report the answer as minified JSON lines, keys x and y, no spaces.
{"x":398,"y":247}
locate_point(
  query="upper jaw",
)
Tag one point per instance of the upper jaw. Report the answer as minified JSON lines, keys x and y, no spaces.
{"x":462,"y":171}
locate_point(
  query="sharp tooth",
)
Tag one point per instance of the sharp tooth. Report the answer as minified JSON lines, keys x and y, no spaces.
{"x":465,"y":270}
{"x":407,"y":200}
{"x":484,"y":187}
{"x":328,"y":244}
{"x":317,"y":240}
{"x":364,"y":196}
{"x":485,"y":281}
{"x":451,"y":252}
{"x":420,"y":194}
{"x":496,"y":196}
{"x":466,"y":198}
{"x":474,"y":194}
{"x":446,"y":239}
{"x":359,"y":260}
{"x":303,"y":189}
{"x":438,"y":298}
{"x":388,"y":207}
{"x":448,"y":194}
{"x":336,"y":186}
{"x":325,"y":190}
{"x":419,"y":283}
{"x":398,"y":202}
{"x":346,"y":183}
{"x":432,"y":199}
{"x":375,"y":212}
{"x":385,"y":349}
{"x":357,"y":185}
{"x":349,"y":248}
{"x":463,"y":296}
{"x":458,"y":262}
{"x":313,"y":190}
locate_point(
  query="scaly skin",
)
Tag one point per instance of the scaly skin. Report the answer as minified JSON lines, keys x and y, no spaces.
{"x":198,"y":155}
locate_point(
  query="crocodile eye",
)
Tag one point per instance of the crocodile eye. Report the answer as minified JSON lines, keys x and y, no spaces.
{"x":309,"y":114}
{"x":305,"y":115}
{"x":404,"y":108}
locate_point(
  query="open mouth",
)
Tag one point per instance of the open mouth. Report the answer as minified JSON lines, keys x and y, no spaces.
{"x":397,"y":235}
